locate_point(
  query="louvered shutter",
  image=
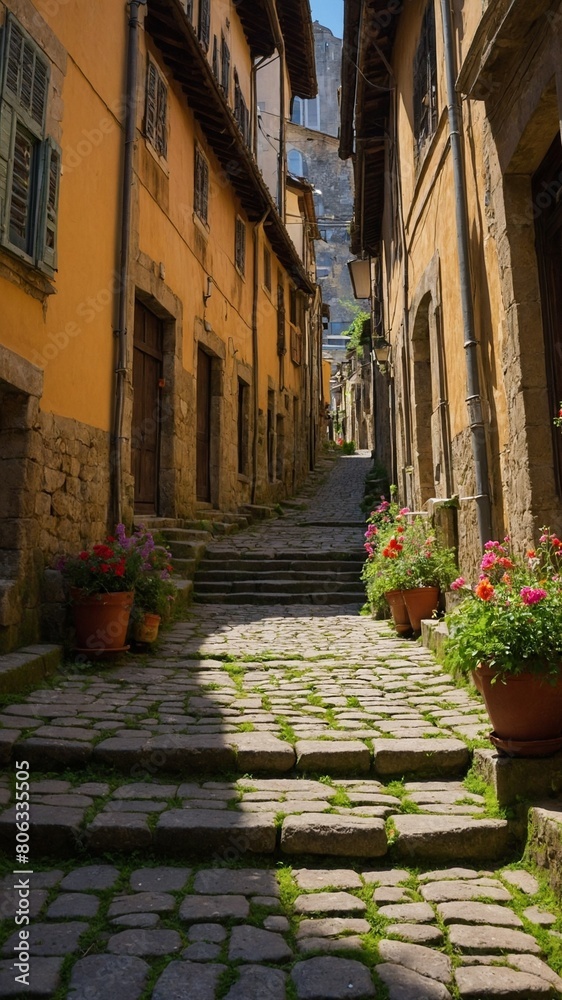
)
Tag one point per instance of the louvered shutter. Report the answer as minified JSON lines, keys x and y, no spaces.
{"x":26,"y":75}
{"x":6,"y":156}
{"x":205,"y":23}
{"x":162,"y":118}
{"x":51,"y":163}
{"x":151,"y":103}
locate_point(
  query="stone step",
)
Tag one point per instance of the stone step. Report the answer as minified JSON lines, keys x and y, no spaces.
{"x":293,"y":816}
{"x":258,"y":512}
{"x":265,"y":557}
{"x":187,"y":550}
{"x":276,"y":585}
{"x":252,"y":597}
{"x":206,"y":574}
{"x":176,"y":535}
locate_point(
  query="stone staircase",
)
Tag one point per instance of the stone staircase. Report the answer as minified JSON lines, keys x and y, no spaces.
{"x":229,"y":577}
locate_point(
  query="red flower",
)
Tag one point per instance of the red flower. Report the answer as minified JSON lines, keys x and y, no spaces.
{"x":120,"y":568}
{"x":84,"y":555}
{"x":105,"y":567}
{"x":103,"y":551}
{"x":484,"y":590}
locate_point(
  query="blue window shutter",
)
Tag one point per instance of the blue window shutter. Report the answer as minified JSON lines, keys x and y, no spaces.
{"x":50,"y":182}
{"x":6,"y":159}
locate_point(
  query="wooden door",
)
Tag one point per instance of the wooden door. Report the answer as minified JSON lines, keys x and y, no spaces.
{"x":547,"y":196}
{"x":204,"y":371}
{"x":145,"y":437}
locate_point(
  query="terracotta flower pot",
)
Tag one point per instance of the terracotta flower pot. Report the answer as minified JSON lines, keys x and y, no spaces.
{"x":395,"y":601}
{"x":421,"y":602}
{"x":147,"y":629}
{"x":525,"y":707}
{"x":101,"y":620}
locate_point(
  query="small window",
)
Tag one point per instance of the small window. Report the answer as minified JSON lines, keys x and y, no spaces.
{"x":267,"y":268}
{"x":425,"y":80}
{"x":225,"y":67}
{"x":297,"y":112}
{"x":188,"y":5}
{"x":204,"y":31}
{"x":240,"y":246}
{"x":296,"y":163}
{"x":201,"y":193}
{"x":29,"y":160}
{"x":156,"y":115}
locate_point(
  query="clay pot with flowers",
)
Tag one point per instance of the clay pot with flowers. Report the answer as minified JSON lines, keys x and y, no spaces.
{"x":101,"y":582}
{"x":407,"y":566}
{"x":507,"y":635}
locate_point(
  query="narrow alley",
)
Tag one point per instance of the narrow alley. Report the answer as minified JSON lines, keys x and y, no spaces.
{"x":285,"y":801}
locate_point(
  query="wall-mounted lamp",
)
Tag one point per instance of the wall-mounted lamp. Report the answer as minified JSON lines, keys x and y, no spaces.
{"x":381,"y":351}
{"x":209,"y":292}
{"x":360,"y":274}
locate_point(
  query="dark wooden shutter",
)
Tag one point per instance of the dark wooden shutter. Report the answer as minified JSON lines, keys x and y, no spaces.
{"x":225,"y":67}
{"x":281,"y":340}
{"x":6,"y":139}
{"x":240,"y":247}
{"x":215,"y":57}
{"x":26,"y":73}
{"x":162,"y":118}
{"x":151,"y":103}
{"x":49,"y":206}
{"x":205,"y":23}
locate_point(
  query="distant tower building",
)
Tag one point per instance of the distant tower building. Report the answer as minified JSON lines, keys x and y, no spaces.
{"x":312,"y":153}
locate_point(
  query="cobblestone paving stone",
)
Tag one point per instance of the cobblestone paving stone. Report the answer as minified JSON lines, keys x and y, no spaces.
{"x":228,"y":819}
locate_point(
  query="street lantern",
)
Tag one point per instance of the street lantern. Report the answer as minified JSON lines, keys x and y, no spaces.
{"x":381,"y":350}
{"x":360,"y":274}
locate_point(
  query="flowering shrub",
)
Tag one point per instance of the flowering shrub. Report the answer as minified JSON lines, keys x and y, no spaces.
{"x":154,"y":590}
{"x":403,"y":554}
{"x":512,"y":618}
{"x":117,"y":564}
{"x":557,"y":421}
{"x":109,"y":567}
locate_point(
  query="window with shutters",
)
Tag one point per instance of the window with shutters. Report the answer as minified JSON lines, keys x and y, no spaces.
{"x":240,"y":246}
{"x":204,"y":30}
{"x":295,"y":313}
{"x":188,"y":5}
{"x":201,"y":194}
{"x":29,"y":159}
{"x":215,"y":57}
{"x":241,"y":112}
{"x":225,"y":67}
{"x":425,"y":81}
{"x":156,"y":113}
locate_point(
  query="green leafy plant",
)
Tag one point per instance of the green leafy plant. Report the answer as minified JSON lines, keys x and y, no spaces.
{"x":512,"y":618}
{"x":348,"y":448}
{"x":403,"y":554}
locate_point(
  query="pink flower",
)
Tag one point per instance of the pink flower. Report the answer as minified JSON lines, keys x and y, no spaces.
{"x":459,"y":583}
{"x":488,"y":561}
{"x":532,"y":595}
{"x":404,"y":510}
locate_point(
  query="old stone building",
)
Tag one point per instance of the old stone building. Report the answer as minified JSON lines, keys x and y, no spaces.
{"x":159,"y":331}
{"x":452,"y":118}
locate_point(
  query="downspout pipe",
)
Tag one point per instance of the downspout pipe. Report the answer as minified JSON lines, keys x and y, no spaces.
{"x":474,"y":398}
{"x":255,"y":353}
{"x":125,"y":247}
{"x":280,"y":46}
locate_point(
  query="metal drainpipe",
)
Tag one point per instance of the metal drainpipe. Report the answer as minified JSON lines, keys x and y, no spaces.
{"x":255,"y":354}
{"x":474,"y":399}
{"x":125,"y":244}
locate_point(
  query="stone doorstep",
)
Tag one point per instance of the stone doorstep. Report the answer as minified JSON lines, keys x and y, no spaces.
{"x":28,"y":666}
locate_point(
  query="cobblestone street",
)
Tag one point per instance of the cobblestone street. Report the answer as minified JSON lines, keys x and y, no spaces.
{"x":280,"y":803}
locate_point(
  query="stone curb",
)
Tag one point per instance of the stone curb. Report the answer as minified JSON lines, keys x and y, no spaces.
{"x":28,"y":666}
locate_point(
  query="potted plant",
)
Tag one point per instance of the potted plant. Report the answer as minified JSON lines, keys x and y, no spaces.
{"x":507,"y":635}
{"x":101,"y":582}
{"x":406,"y":566}
{"x":154,"y":590}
